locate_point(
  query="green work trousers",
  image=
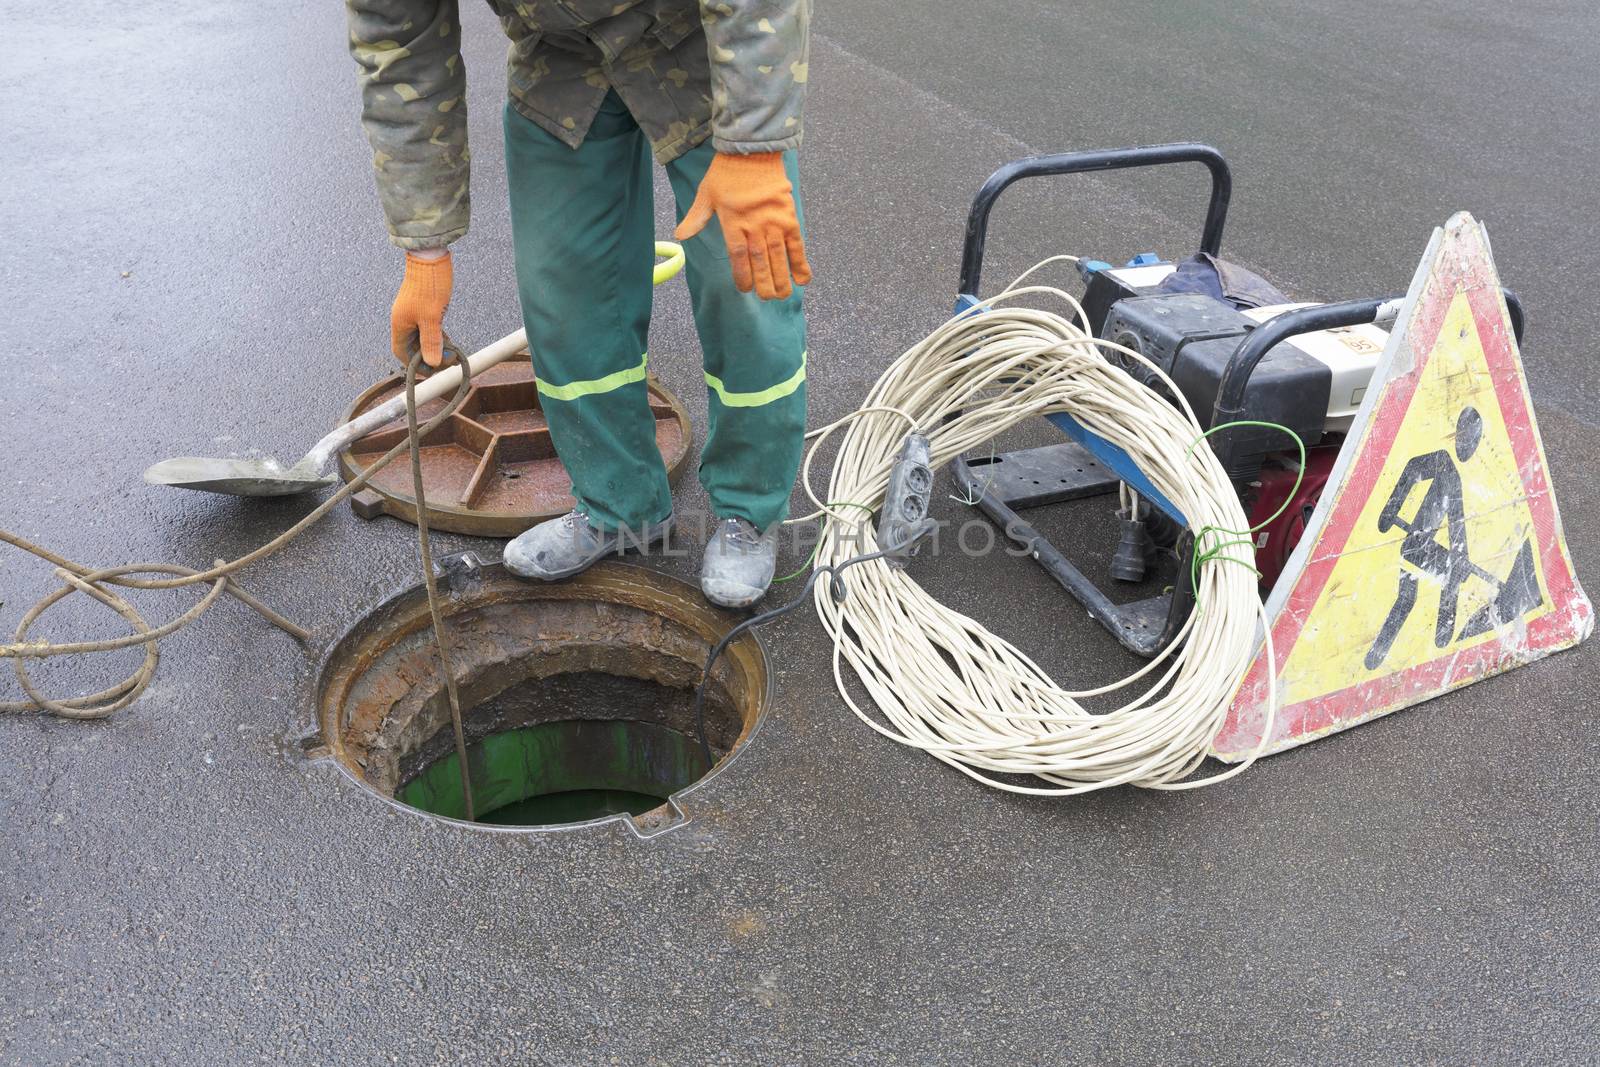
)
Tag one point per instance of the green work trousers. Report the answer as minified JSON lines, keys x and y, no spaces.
{"x":583,"y":221}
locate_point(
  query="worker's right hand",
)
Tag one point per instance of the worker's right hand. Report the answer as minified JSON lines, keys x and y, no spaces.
{"x":419,"y":306}
{"x":751,"y":197}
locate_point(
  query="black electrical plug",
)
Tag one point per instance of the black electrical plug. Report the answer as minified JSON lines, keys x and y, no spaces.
{"x":1134,"y":550}
{"x":913,"y":538}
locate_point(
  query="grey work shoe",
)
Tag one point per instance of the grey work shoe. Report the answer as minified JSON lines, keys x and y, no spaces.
{"x":738,"y":563}
{"x":560,"y":548}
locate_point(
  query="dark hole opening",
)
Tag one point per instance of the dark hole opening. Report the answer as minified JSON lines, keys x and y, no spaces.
{"x":569,"y":748}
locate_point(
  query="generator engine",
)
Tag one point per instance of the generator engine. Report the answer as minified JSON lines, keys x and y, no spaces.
{"x":1311,"y":386}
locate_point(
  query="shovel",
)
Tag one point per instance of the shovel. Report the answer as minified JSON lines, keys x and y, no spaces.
{"x":266,"y":476}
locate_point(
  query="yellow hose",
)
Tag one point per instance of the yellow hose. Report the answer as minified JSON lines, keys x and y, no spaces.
{"x":670,"y":260}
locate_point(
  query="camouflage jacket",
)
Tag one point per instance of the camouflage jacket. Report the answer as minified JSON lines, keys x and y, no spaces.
{"x":733,"y":70}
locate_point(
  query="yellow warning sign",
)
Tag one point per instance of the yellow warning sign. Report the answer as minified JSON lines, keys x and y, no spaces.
{"x":1435,"y":558}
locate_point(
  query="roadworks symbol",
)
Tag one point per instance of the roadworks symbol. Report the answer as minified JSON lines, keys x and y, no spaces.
{"x":1436,"y":547}
{"x":1435,"y":557}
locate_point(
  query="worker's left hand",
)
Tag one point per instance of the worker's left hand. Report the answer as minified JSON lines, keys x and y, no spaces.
{"x":753,"y":200}
{"x":417,"y":316}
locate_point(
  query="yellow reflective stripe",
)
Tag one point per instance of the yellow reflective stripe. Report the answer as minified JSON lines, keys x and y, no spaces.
{"x":573,"y":390}
{"x":764,"y":396}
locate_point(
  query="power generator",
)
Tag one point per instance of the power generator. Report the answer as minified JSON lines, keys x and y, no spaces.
{"x":1245,"y":358}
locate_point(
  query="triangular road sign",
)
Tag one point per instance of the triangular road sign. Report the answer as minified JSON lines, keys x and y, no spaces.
{"x":1435,"y":557}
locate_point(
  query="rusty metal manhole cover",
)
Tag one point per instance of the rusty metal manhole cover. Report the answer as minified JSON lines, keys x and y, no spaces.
{"x":491,"y":470}
{"x":577,"y":697}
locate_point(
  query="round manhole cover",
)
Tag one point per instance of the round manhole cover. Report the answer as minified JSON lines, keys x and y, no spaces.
{"x":491,"y":469}
{"x":577,"y":696}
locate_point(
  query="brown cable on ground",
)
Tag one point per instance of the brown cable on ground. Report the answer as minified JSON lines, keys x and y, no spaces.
{"x":91,"y":582}
{"x":414,"y":441}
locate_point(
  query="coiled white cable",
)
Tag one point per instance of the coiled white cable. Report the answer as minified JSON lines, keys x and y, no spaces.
{"x":943,"y":682}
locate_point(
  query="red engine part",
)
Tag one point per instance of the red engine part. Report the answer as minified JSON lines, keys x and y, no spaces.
{"x":1268,"y":492}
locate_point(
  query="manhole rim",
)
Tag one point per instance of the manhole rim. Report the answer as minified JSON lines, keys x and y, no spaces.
{"x":318,"y":748}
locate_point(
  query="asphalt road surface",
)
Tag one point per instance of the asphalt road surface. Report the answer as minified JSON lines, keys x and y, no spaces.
{"x":194,"y":262}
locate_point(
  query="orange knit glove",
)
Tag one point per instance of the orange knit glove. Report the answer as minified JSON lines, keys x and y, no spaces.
{"x":419,"y":308}
{"x":752,"y":198}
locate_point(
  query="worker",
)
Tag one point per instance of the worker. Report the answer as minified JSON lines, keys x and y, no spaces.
{"x":714,"y":89}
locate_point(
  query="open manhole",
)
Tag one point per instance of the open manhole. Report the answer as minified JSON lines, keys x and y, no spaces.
{"x":577,"y":696}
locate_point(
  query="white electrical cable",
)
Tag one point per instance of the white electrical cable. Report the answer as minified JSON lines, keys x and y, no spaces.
{"x":947,"y":685}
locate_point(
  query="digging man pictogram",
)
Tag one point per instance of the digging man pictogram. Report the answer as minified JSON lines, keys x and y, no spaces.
{"x":1446,"y":561}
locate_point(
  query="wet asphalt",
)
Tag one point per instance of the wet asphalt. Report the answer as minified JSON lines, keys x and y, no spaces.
{"x":194,"y":262}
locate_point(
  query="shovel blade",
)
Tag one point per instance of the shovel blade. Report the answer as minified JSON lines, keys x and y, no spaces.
{"x":236,"y":477}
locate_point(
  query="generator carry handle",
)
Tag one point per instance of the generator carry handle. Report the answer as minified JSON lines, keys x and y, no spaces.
{"x":1100,"y":160}
{"x":1231,"y":394}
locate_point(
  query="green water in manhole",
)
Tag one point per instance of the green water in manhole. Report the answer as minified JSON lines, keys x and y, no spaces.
{"x":561,"y":772}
